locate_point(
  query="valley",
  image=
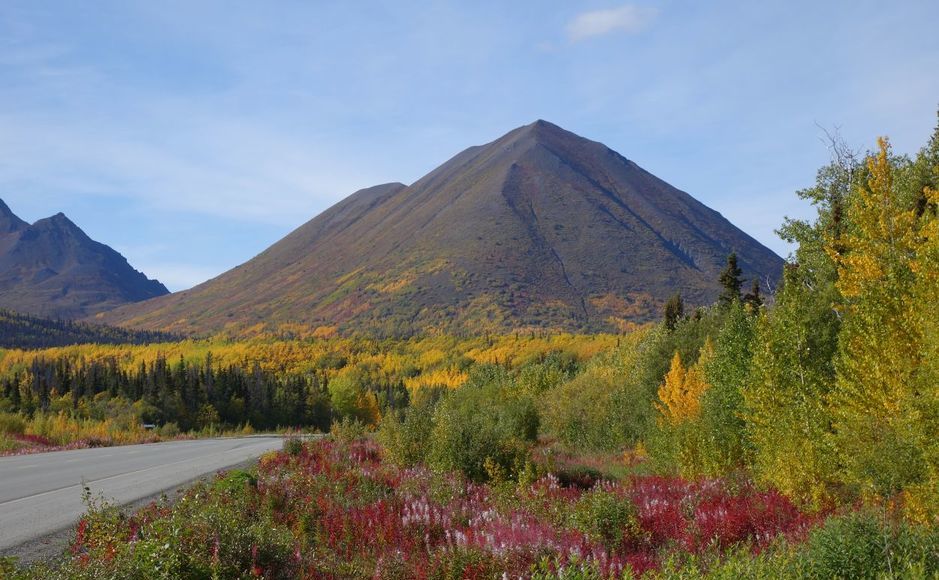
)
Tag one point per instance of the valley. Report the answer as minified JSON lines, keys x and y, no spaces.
{"x":733,"y":432}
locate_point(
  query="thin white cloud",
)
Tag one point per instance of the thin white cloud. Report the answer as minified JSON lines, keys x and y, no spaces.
{"x":628,"y":18}
{"x":216,"y":167}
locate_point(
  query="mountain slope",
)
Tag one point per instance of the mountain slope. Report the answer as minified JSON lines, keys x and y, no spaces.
{"x":540,"y":228}
{"x":52,"y":268}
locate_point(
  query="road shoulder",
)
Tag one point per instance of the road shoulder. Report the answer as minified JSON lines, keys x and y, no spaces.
{"x":53,"y":545}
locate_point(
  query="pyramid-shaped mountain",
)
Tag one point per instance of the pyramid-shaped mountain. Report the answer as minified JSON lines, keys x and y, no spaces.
{"x":52,"y":268}
{"x":540,"y":228}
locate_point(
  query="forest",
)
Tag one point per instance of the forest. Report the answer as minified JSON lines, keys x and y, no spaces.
{"x":786,"y":435}
{"x":25,"y":331}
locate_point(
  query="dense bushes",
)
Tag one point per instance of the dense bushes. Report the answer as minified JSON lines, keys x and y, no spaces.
{"x":863,"y":545}
{"x":608,"y":518}
{"x":406,"y":434}
{"x":604,"y":407}
{"x":483,"y":429}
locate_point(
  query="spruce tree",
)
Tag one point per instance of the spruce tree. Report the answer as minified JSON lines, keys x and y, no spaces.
{"x":754,"y":299}
{"x":730,"y":281}
{"x":674,"y":311}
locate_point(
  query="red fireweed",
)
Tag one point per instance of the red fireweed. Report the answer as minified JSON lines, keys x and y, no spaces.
{"x":351,"y":514}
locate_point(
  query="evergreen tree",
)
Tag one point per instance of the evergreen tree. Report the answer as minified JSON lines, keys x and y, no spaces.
{"x":730,"y":281}
{"x":674,"y":311}
{"x":754,"y":299}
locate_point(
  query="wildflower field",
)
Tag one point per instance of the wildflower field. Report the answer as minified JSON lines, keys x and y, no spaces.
{"x":334,"y":509}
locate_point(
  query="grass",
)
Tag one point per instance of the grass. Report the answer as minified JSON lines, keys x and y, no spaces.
{"x":41,"y":433}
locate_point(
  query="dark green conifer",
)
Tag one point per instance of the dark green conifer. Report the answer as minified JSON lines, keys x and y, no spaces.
{"x":753,"y":298}
{"x":730,"y":281}
{"x":674,"y":311}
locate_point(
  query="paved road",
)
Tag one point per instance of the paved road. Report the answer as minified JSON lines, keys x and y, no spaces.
{"x":41,"y":493}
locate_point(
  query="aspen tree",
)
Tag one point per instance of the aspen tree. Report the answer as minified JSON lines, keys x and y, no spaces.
{"x":875,"y":404}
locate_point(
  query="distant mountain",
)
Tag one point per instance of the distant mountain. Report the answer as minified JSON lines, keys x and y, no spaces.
{"x":26,"y":332}
{"x":540,"y":228}
{"x":51,"y":268}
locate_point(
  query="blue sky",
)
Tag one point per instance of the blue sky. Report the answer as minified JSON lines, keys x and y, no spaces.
{"x":191,"y":135}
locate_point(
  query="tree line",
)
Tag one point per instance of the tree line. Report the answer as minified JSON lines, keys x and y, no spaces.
{"x":194,"y":395}
{"x":26,"y":331}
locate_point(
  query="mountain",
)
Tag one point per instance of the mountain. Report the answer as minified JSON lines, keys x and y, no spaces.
{"x":52,"y":268}
{"x":540,"y":228}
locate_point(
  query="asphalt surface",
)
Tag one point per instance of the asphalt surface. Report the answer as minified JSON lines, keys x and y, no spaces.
{"x":42,"y":493}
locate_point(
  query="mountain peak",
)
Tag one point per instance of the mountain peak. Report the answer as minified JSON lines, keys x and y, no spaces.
{"x":52,"y":268}
{"x":541,"y":124}
{"x":543,"y":129}
{"x":540,"y":228}
{"x":540,"y":135}
{"x":61,"y":224}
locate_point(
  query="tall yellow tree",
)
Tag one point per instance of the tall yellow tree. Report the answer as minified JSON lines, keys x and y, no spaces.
{"x":875,"y":402}
{"x":680,"y":394}
{"x":923,"y":498}
{"x":679,"y":440}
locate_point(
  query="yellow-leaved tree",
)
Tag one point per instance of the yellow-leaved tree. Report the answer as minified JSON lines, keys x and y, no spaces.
{"x":680,"y":394}
{"x":876,"y":405}
{"x":922,"y":499}
{"x":678,"y":441}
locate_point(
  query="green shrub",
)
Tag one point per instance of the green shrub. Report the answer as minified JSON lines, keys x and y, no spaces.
{"x":602,"y":408}
{"x":550,"y":569}
{"x":406,"y":439}
{"x":484,"y":428}
{"x":293,"y":446}
{"x":862,"y":545}
{"x":547,"y":373}
{"x":235,"y":481}
{"x":348,"y":429}
{"x":779,"y":562}
{"x":169,"y":430}
{"x":7,"y":566}
{"x":454,"y":564}
{"x":12,"y":424}
{"x":608,"y":518}
{"x":8,"y":444}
